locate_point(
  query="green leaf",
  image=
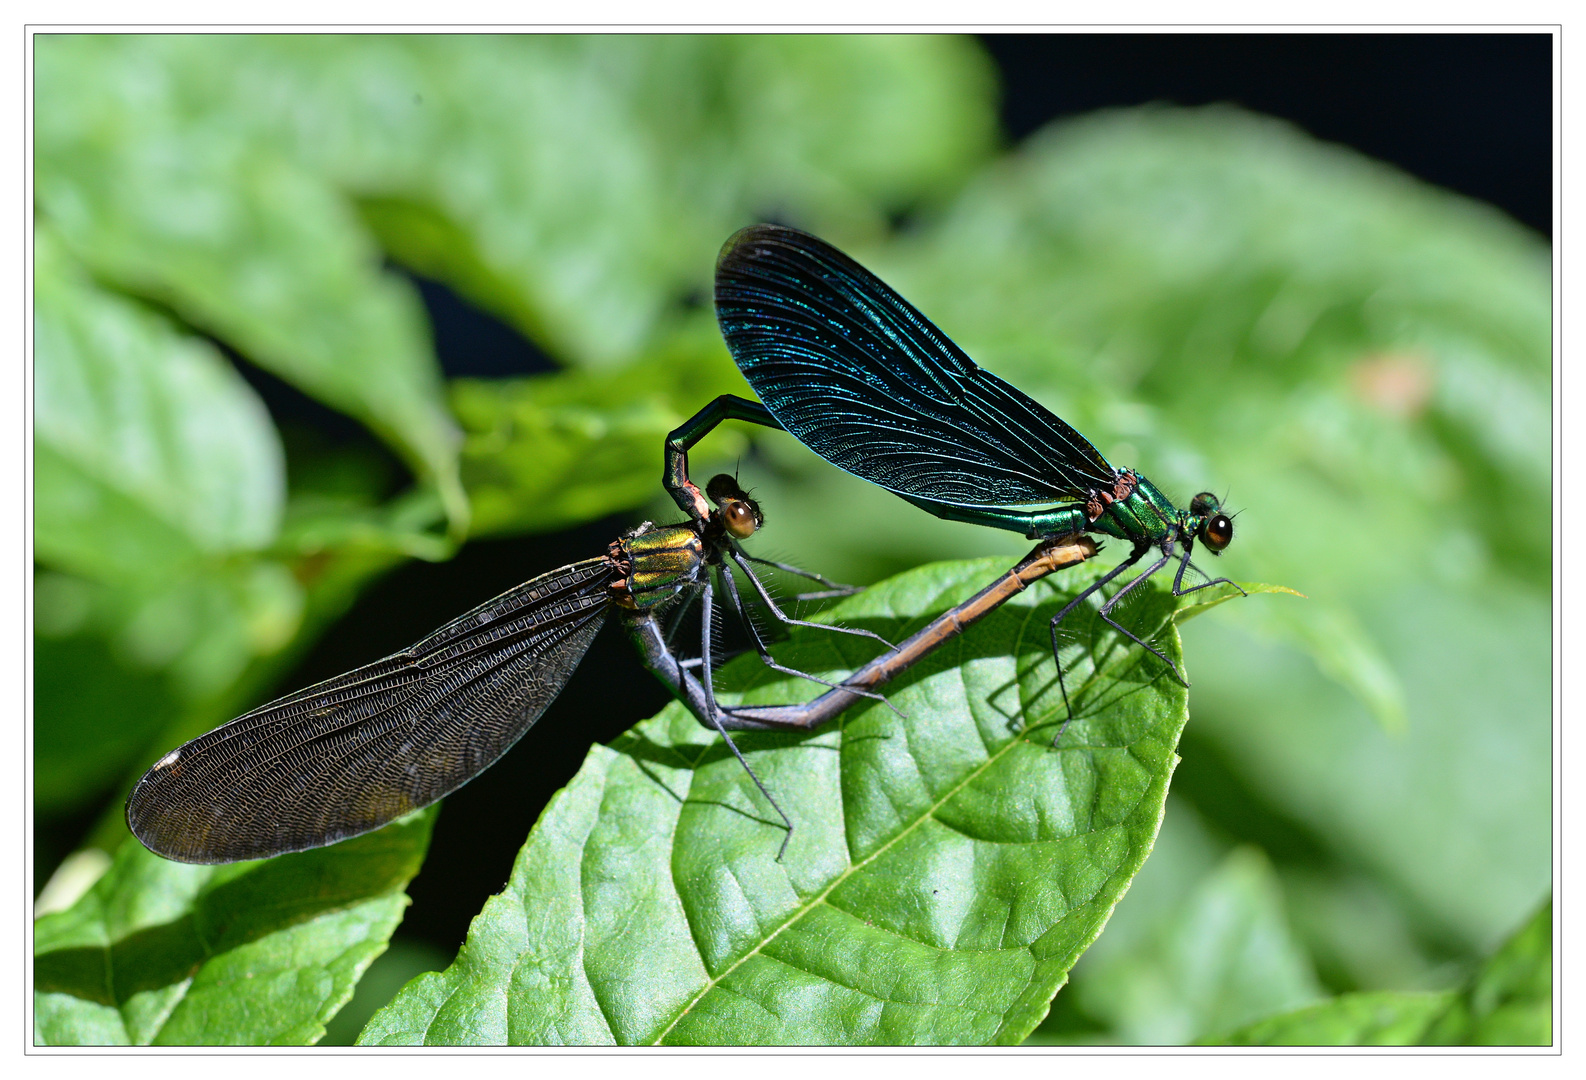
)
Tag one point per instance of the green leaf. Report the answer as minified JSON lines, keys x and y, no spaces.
{"x":1509,"y":1002}
{"x":159,"y":479}
{"x":1474,"y":664}
{"x":576,"y":185}
{"x":171,"y":200}
{"x":1220,"y":957}
{"x":151,"y":449}
{"x":946,"y":869}
{"x":259,"y":953}
{"x":924,"y":117}
{"x":165,"y":571}
{"x":579,"y":185}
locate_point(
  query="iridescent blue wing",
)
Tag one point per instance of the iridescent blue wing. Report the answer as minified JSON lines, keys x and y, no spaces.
{"x":350,"y":754}
{"x":867,"y":382}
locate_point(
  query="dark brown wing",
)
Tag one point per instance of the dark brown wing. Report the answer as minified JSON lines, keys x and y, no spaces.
{"x":355,"y":752}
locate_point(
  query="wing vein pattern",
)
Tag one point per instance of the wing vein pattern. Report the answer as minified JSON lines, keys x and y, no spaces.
{"x":853,"y":371}
{"x":352,"y":753}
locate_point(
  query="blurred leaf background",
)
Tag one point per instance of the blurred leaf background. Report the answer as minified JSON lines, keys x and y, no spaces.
{"x":274,"y":278}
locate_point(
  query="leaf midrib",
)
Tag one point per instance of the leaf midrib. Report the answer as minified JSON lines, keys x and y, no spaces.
{"x":803,"y":909}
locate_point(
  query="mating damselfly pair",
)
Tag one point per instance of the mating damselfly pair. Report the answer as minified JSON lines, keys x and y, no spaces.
{"x":853,"y":371}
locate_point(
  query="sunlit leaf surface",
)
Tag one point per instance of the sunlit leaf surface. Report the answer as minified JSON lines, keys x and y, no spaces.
{"x":260,"y":953}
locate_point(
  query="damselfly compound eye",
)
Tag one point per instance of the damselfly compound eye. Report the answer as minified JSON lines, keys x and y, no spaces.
{"x":739,"y":519}
{"x":1218,"y":532}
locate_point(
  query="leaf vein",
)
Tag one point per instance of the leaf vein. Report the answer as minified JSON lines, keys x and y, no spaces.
{"x":871,"y":994}
{"x":927,"y":814}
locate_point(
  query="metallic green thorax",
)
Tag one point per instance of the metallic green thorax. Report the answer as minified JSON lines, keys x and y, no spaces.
{"x":656,"y":564}
{"x":1144,"y":514}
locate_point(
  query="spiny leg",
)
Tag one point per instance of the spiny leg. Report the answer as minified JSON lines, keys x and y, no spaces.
{"x":1208,"y":583}
{"x":714,"y":711}
{"x":689,"y":592}
{"x":1134,"y":557}
{"x":736,"y":602}
{"x":741,"y":560}
{"x":833,"y":588}
{"x":1106,"y":613}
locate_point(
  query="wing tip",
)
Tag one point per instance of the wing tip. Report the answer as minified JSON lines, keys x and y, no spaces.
{"x":765,"y":232}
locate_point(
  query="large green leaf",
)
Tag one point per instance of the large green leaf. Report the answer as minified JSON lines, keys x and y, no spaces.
{"x":1509,"y":1002}
{"x":156,"y":188}
{"x":576,"y":185}
{"x":254,"y":953}
{"x":946,"y":869}
{"x":151,"y":450}
{"x":159,"y":484}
